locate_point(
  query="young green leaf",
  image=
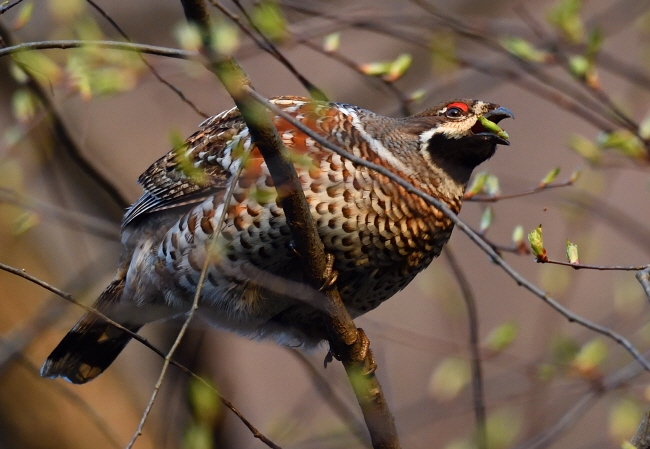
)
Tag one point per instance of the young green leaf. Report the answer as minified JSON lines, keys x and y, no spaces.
{"x":23,"y":16}
{"x":572,"y":253}
{"x":225,"y":37}
{"x":537,"y":244}
{"x":523,"y":49}
{"x":590,"y":357}
{"x":575,"y":175}
{"x":624,"y":142}
{"x":492,"y":187}
{"x":332,"y":42}
{"x":417,"y":95}
{"x":549,"y":178}
{"x":477,"y":184}
{"x":268,"y":17}
{"x":502,"y":337}
{"x":565,"y":16}
{"x":24,"y":105}
{"x":518,"y":235}
{"x":493,"y":127}
{"x":449,"y":378}
{"x":375,"y":68}
{"x":624,"y":417}
{"x":585,"y":148}
{"x":486,"y":220}
{"x":398,"y":67}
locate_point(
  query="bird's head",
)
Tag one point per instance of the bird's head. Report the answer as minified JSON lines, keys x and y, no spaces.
{"x":458,"y":135}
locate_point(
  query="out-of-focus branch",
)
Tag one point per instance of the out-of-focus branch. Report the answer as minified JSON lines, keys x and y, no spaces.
{"x":68,"y":297}
{"x":477,"y":369}
{"x":345,"y":340}
{"x":151,"y":68}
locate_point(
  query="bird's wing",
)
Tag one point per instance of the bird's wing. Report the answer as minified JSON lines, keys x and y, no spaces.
{"x":194,"y":171}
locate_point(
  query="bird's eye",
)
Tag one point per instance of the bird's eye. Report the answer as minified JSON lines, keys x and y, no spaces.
{"x":453,"y":113}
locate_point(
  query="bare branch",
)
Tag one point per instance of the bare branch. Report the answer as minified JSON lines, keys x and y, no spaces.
{"x":477,"y":369}
{"x":115,"y":45}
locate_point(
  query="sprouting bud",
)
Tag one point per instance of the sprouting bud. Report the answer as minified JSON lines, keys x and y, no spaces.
{"x":537,"y":244}
{"x":572,"y":252}
{"x":550,"y":177}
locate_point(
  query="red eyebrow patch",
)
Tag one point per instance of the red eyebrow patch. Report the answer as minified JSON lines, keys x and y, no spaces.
{"x":457,"y":104}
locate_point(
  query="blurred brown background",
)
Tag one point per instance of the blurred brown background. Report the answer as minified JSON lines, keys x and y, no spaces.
{"x":57,"y":224}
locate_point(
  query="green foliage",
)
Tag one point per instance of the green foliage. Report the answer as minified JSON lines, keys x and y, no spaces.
{"x":24,"y":105}
{"x":268,"y":17}
{"x":523,"y":49}
{"x":493,"y":127}
{"x":565,"y":16}
{"x":443,"y":47}
{"x":550,"y":177}
{"x":449,"y":378}
{"x":477,"y":185}
{"x":590,"y":357}
{"x":24,"y":15}
{"x":585,"y":148}
{"x":205,"y":406}
{"x":624,"y":418}
{"x":486,"y":220}
{"x":572,"y":252}
{"x":518,"y":235}
{"x":501,"y":337}
{"x":399,"y":67}
{"x":537,"y":244}
{"x":331,"y":42}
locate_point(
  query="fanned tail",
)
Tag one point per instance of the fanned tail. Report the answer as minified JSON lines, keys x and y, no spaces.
{"x":92,"y":344}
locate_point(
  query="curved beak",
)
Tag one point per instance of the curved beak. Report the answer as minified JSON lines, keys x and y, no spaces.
{"x":486,"y":125}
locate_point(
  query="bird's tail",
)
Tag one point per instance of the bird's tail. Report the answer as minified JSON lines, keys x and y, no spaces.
{"x":92,"y":344}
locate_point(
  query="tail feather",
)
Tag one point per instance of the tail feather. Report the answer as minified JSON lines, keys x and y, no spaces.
{"x":92,"y":344}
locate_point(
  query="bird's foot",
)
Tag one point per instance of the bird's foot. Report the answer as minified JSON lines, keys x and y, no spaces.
{"x":330,"y":275}
{"x":359,"y":353}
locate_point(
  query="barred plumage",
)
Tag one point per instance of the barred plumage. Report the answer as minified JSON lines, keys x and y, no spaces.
{"x":379,"y":235}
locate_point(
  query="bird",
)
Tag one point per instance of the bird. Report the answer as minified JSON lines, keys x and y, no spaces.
{"x":210,"y":207}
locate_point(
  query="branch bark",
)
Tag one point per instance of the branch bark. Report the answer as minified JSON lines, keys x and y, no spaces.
{"x":345,"y":340}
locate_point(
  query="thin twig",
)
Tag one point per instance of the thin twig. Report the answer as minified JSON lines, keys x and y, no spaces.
{"x":477,"y":369}
{"x":7,"y":7}
{"x":473,"y":236}
{"x":115,"y":45}
{"x":580,"y":266}
{"x":495,"y":198}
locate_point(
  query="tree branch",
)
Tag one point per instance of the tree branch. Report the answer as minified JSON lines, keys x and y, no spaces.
{"x":344,"y":338}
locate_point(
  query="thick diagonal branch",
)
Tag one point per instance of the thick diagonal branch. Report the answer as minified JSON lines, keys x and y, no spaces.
{"x":344,"y":338}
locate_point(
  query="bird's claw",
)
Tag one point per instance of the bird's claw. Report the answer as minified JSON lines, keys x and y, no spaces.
{"x":330,"y":275}
{"x":360,"y":353}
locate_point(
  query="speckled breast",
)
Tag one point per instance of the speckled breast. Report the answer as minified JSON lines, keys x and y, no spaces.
{"x":380,"y":235}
